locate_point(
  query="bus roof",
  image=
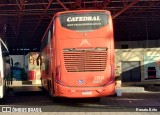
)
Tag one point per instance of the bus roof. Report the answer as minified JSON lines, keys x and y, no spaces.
{"x":73,"y":11}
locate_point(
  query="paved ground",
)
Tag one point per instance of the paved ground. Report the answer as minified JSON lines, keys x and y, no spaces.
{"x":144,"y":100}
{"x":33,"y":96}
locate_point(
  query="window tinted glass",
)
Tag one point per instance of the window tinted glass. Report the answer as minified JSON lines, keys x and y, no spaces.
{"x":84,"y":21}
{"x":47,"y":37}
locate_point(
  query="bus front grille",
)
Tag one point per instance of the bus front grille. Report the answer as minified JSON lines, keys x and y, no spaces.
{"x":85,"y":60}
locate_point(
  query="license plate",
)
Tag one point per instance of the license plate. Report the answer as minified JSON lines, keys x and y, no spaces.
{"x":86,"y":92}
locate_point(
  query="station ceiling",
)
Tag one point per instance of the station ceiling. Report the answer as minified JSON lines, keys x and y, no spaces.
{"x":23,"y":22}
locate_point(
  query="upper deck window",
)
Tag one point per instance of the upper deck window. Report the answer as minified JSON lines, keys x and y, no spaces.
{"x":87,"y":21}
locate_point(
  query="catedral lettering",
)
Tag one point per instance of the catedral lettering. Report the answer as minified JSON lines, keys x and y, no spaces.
{"x":87,"y":18}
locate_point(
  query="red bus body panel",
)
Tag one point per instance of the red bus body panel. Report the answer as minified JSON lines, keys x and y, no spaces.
{"x":79,"y":73}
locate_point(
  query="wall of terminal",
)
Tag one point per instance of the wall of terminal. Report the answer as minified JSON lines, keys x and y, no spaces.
{"x":137,"y":44}
{"x":18,"y":60}
{"x":137,"y":64}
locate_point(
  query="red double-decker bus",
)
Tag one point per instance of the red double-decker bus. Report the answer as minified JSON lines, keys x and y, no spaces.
{"x":77,"y":55}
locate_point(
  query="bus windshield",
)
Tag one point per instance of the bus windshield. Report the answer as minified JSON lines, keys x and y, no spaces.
{"x":84,"y":21}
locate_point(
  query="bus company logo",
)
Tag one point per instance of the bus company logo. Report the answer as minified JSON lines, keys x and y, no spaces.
{"x":84,"y":19}
{"x":84,"y":42}
{"x":80,"y":81}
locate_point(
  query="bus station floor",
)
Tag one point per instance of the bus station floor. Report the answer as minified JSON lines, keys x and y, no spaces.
{"x":138,"y":99}
{"x":135,"y":96}
{"x":143,"y":86}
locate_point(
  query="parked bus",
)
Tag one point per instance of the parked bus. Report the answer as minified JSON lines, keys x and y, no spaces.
{"x":77,"y":55}
{"x":4,"y":68}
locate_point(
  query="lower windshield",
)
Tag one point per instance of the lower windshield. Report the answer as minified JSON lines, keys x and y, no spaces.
{"x":84,"y":21}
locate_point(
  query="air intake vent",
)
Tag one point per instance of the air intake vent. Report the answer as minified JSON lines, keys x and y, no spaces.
{"x":87,"y":60}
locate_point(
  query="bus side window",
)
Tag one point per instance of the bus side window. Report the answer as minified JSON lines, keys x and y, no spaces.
{"x":39,"y":60}
{"x":6,"y":57}
{"x":47,"y":67}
